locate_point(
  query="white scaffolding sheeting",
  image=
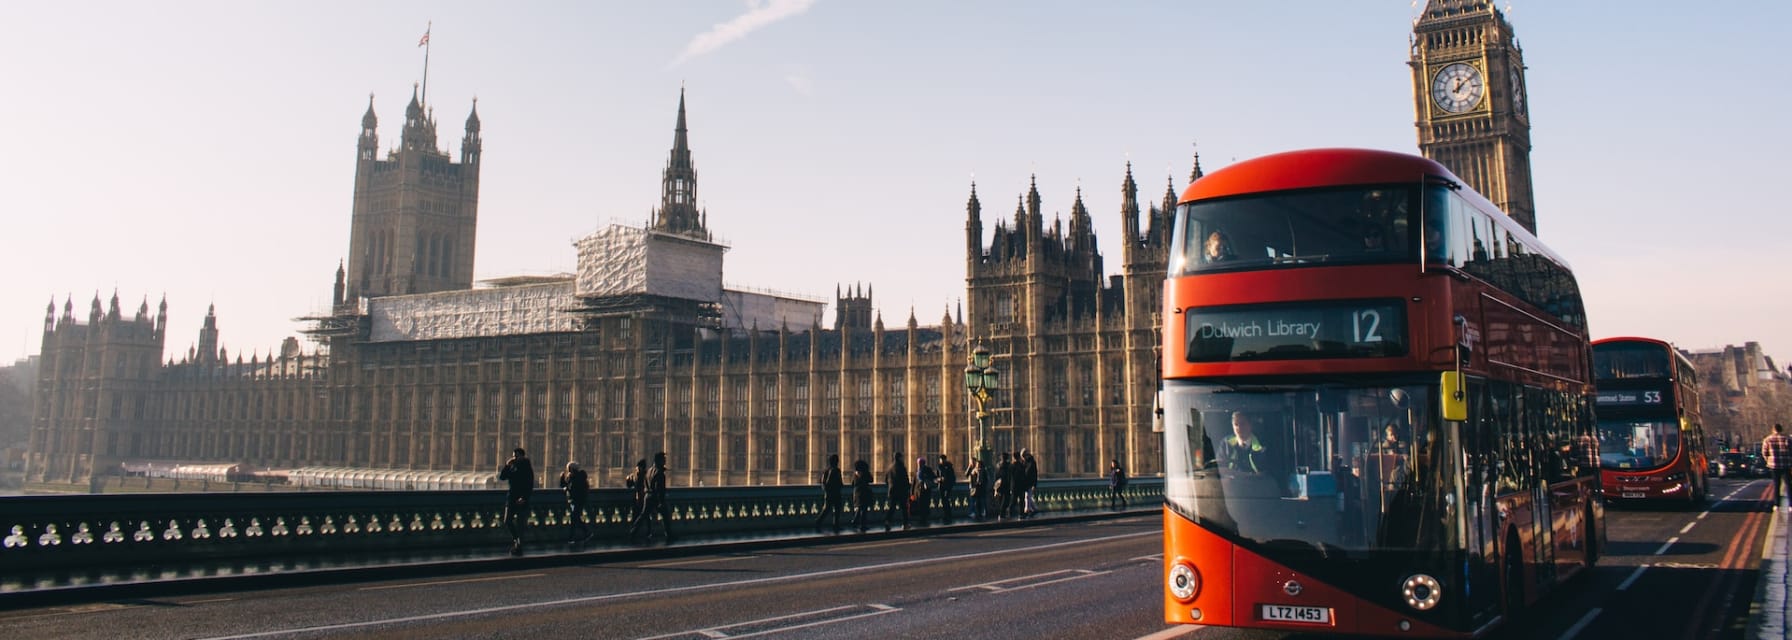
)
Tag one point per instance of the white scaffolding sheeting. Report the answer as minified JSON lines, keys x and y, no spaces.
{"x":517,"y":310}
{"x":620,"y":260}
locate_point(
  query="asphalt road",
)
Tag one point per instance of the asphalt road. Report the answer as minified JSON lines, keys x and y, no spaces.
{"x":1672,"y":574}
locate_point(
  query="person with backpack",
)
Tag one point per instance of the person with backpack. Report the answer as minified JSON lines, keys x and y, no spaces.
{"x":577,"y":485}
{"x":831,"y":484}
{"x":979,"y":484}
{"x":921,"y":496}
{"x":1116,"y":485}
{"x":654,"y":502}
{"x":948,"y":480}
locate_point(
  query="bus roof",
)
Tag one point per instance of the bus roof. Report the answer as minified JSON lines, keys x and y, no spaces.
{"x":1310,"y":168}
{"x":1622,"y":339}
{"x":1317,"y":168}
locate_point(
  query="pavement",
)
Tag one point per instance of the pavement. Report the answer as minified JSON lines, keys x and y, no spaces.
{"x":49,"y":588}
{"x":1773,"y":590}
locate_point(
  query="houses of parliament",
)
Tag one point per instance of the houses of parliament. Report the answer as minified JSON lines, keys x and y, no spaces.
{"x":643,"y":349}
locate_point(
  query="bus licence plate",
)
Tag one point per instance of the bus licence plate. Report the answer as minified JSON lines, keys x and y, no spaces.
{"x":1634,"y":494}
{"x":1286,"y":613}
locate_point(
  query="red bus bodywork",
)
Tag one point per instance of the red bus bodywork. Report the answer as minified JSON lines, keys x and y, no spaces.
{"x":1522,"y":542}
{"x":1681,"y":478}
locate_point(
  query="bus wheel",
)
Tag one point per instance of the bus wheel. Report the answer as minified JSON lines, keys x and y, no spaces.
{"x":1514,"y":587}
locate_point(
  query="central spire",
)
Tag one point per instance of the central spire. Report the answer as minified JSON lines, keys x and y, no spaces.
{"x":678,"y":212}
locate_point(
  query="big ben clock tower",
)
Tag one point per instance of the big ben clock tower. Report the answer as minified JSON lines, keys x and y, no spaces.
{"x":1468,"y":83}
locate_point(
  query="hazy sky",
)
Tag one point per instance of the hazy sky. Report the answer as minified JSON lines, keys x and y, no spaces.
{"x":205,"y":151}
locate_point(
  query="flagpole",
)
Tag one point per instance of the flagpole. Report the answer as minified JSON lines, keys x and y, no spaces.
{"x":431,"y":26}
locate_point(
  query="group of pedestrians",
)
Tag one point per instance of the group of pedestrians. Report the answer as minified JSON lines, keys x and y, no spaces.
{"x":908,"y":495}
{"x":648,"y":486}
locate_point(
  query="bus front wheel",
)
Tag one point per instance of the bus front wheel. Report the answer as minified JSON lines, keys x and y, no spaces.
{"x":1514,"y":591}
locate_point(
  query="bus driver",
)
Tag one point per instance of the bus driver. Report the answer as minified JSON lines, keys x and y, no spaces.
{"x":1244,"y":451}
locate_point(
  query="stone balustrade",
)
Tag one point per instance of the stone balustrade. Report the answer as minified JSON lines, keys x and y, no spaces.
{"x":120,"y":530}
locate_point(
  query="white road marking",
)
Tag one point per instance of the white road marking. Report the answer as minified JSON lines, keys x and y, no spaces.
{"x":1578,"y":626}
{"x":408,"y":585}
{"x":1153,"y":557}
{"x":1633,"y":576}
{"x":1665,"y":545}
{"x":718,"y":632}
{"x":1028,"y":582}
{"x":681,"y":563}
{"x":1688,"y":527}
{"x":871,"y":569}
{"x":1173,"y":632}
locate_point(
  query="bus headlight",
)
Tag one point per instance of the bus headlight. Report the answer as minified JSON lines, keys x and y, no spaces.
{"x":1421,"y":591}
{"x":1184,"y":582}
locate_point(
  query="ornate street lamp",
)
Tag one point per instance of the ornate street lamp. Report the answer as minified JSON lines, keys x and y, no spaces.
{"x":980,"y":381}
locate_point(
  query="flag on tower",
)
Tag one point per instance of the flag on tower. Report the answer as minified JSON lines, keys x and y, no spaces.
{"x":425,"y":39}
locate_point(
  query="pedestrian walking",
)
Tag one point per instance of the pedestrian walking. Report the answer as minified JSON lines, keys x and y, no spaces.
{"x":896,"y":501}
{"x":978,"y":481}
{"x":948,"y":481}
{"x":637,"y":485}
{"x":861,"y":494}
{"x":1004,"y":489}
{"x":1029,"y":480}
{"x":1116,"y":485}
{"x":654,"y":503}
{"x":520,"y":475}
{"x":921,"y":494}
{"x":1776,"y":448}
{"x":831,"y":484}
{"x":577,"y":486}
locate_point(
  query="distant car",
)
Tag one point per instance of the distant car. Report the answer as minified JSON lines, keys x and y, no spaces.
{"x":1735,"y":465}
{"x":1757,"y":466}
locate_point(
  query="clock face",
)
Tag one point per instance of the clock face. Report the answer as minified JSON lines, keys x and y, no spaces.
{"x":1517,"y":92}
{"x":1457,"y":88}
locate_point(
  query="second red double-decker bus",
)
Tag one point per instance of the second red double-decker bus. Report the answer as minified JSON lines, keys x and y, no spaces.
{"x":1376,"y":403}
{"x":1651,"y":440}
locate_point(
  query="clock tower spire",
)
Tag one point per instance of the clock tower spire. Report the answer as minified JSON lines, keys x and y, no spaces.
{"x":1471,"y":111}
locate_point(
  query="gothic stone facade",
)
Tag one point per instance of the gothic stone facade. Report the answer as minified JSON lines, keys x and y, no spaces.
{"x":637,"y":373}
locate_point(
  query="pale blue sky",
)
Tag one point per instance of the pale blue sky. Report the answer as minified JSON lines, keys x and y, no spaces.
{"x":205,"y":150}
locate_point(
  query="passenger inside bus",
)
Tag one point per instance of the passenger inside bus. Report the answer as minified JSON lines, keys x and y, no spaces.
{"x":1218,"y":247}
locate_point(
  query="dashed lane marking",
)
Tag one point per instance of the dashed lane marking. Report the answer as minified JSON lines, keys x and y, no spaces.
{"x":1578,"y":626}
{"x":408,"y":585}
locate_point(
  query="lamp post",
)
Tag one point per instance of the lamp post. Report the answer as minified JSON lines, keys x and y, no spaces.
{"x":980,"y":382}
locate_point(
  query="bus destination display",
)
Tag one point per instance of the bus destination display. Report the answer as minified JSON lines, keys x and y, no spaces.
{"x":1355,"y":329}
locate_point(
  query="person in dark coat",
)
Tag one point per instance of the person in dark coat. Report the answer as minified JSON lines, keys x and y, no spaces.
{"x":897,"y":500}
{"x":637,"y":484}
{"x":1116,"y":484}
{"x":654,"y":503}
{"x":831,"y":484}
{"x":577,"y":486}
{"x":1029,"y":480}
{"x":978,"y":481}
{"x":921,"y":494}
{"x":1004,"y":480}
{"x":521,"y":475}
{"x":861,"y":494}
{"x":948,"y":481}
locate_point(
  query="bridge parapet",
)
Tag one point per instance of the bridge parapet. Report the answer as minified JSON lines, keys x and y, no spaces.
{"x":122,"y":530}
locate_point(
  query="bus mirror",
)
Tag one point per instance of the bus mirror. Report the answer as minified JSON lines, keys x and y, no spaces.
{"x":1451,"y":400}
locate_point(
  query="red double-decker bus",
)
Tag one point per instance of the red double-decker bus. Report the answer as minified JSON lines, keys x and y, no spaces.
{"x":1651,"y":440}
{"x":1376,"y":403}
